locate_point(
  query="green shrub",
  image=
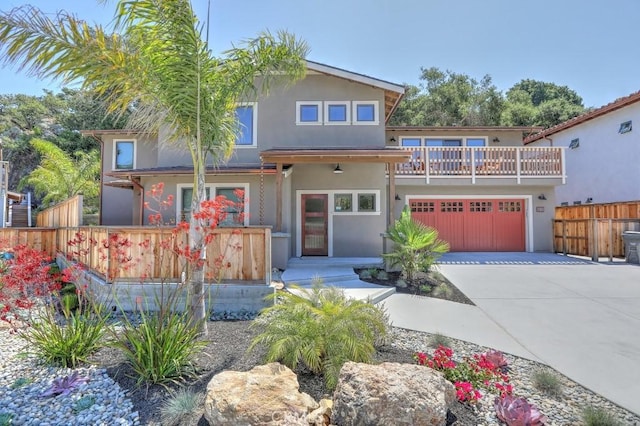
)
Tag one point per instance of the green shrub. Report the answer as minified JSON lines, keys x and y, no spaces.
{"x":181,"y":407}
{"x":595,"y":416}
{"x":416,"y":246}
{"x":438,"y":339}
{"x":161,"y":348}
{"x":68,"y":340}
{"x":6,"y":419}
{"x":547,"y":382}
{"x":321,"y":329}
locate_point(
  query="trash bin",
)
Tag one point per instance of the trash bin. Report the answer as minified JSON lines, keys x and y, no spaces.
{"x":631,"y":242}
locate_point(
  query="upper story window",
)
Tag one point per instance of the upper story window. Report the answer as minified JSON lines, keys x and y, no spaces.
{"x":365,"y":112}
{"x":309,"y":112}
{"x":124,"y":154}
{"x":416,"y":141}
{"x":337,"y":112}
{"x":247,"y":114}
{"x":625,"y":127}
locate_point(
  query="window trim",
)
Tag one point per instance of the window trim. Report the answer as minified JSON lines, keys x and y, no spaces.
{"x":355,"y":193}
{"x":254,"y":130}
{"x":346,"y":104}
{"x":212,"y":191}
{"x":376,"y":113}
{"x":625,"y":127}
{"x":115,"y":151}
{"x":318,"y":122}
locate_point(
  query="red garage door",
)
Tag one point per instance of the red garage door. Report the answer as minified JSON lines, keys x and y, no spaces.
{"x":475,"y":225}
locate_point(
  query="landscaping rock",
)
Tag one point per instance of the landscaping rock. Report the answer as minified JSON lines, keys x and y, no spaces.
{"x":266,"y":395}
{"x":401,"y":284}
{"x":321,"y":416}
{"x":391,"y":393}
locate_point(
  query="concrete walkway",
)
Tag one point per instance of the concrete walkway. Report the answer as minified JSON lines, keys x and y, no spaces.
{"x":579,"y":317}
{"x":337,"y":272}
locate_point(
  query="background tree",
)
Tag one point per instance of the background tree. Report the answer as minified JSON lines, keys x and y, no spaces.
{"x":446,"y":98}
{"x":538,"y":103}
{"x":61,"y":176}
{"x":157,"y":61}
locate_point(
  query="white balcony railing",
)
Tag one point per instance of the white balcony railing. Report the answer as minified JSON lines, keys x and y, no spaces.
{"x":483,"y":162}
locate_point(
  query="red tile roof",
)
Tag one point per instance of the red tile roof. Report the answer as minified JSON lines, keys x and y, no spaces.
{"x":615,"y":105}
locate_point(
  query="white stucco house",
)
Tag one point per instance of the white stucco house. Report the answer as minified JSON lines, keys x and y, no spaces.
{"x":603,"y":155}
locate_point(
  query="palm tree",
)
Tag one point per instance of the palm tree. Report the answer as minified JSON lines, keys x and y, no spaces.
{"x":157,"y":61}
{"x":60,"y":176}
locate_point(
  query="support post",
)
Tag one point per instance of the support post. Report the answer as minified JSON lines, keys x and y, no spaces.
{"x":392,"y":192}
{"x":278,"y":197}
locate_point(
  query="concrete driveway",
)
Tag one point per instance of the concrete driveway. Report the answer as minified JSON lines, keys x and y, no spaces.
{"x":581,"y":318}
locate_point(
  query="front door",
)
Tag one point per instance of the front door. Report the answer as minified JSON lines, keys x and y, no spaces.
{"x":315,"y":225}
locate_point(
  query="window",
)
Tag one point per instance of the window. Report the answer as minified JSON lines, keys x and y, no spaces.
{"x":336,"y":113}
{"x":124,"y":154}
{"x":410,"y":141}
{"x":308,"y":112}
{"x":247,"y":121}
{"x":625,"y":127}
{"x":366,"y":202}
{"x":343,"y":202}
{"x":365,"y":112}
{"x":575,"y":143}
{"x":235,"y":215}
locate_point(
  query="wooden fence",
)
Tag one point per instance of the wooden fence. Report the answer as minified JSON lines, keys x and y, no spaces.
{"x":595,"y":230}
{"x":65,"y":214}
{"x":135,"y":254}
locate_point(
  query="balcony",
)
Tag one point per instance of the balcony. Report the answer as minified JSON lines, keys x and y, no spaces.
{"x":482,"y":164}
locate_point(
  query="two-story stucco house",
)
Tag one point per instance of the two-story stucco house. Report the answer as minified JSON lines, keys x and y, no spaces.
{"x":603,"y":153}
{"x":319,"y":164}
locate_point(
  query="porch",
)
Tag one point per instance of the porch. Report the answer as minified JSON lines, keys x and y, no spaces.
{"x":467,"y":164}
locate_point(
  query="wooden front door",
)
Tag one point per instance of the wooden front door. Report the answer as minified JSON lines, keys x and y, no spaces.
{"x":315,"y":225}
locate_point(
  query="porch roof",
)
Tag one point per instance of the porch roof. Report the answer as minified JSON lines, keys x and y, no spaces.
{"x":188,"y":170}
{"x":335,"y":155}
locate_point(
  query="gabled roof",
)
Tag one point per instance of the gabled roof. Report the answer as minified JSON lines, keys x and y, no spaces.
{"x":392,"y":92}
{"x":610,"y":107}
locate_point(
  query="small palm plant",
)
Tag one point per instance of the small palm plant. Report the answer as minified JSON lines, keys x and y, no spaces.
{"x":320,"y":328}
{"x":416,"y":246}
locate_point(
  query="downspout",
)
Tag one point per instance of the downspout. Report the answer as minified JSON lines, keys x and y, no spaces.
{"x":93,"y":135}
{"x":550,"y":140}
{"x":140,"y":187}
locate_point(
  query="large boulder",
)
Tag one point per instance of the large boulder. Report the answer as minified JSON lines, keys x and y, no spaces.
{"x":391,"y":394}
{"x":266,"y":395}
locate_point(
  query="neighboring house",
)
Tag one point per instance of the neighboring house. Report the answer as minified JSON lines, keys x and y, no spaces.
{"x":603,"y":155}
{"x":313,"y":161}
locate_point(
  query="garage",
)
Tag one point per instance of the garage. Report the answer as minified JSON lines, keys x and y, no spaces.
{"x":475,"y":224}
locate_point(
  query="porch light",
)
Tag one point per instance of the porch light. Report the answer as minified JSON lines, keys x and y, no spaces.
{"x":542,"y":197}
{"x":496,"y":140}
{"x":337,"y":170}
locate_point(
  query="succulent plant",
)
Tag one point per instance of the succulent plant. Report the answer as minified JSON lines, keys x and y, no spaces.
{"x":84,"y":403}
{"x":498,"y":359}
{"x":66,"y":384}
{"x":518,"y":412}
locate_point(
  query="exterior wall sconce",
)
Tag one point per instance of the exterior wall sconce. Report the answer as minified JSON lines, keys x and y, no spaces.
{"x":398,"y":197}
{"x":337,"y":170}
{"x":496,"y":140}
{"x":392,"y":140}
{"x":589,"y":200}
{"x":542,"y":197}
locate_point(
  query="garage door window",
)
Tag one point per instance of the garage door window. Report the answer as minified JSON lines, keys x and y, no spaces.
{"x":451,"y":207}
{"x":510,"y":206}
{"x":480,"y":206}
{"x":422,"y":206}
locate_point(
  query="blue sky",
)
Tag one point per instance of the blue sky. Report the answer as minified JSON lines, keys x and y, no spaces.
{"x":590,"y":46}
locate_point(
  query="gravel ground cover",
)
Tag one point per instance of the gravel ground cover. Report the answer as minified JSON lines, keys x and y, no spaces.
{"x":116,"y":400}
